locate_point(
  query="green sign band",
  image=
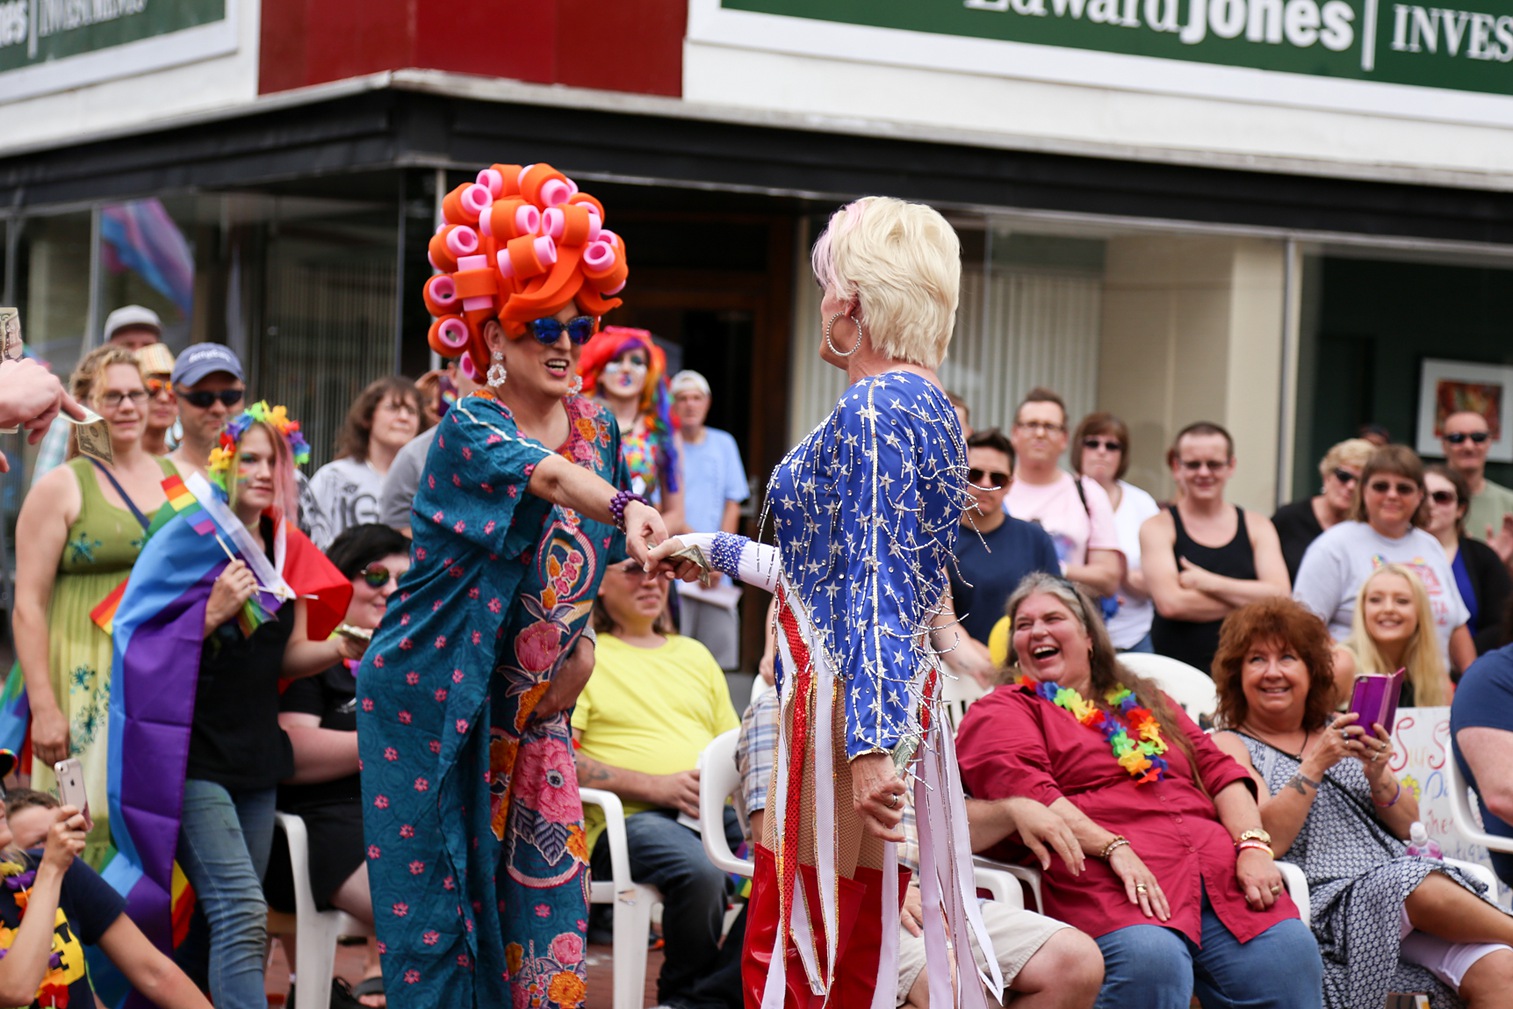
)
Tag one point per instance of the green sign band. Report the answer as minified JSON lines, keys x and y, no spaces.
{"x":33,"y":32}
{"x":1369,"y":40}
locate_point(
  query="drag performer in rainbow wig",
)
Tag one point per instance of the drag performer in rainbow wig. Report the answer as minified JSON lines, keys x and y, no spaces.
{"x":627,"y":370}
{"x":476,"y":852}
{"x":227,"y":598}
{"x":865,"y":513}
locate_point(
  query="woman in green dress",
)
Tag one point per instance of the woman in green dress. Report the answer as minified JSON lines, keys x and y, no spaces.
{"x":79,"y":533}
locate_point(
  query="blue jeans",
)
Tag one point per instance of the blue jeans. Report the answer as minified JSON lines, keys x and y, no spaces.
{"x":1143,"y":645}
{"x":667,"y":855}
{"x":1155,"y":967}
{"x":224,"y":841}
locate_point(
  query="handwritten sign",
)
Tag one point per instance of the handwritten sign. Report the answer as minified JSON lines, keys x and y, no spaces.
{"x":1418,"y":759}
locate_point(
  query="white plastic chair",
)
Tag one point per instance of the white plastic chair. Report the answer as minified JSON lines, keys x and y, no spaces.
{"x":1188,"y":685}
{"x":1467,"y":823}
{"x":1002,"y":881}
{"x":718,"y":781}
{"x":316,"y":931}
{"x":632,"y":903}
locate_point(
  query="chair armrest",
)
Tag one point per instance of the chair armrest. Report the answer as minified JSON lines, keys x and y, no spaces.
{"x":614,"y":829}
{"x":1297,"y":889}
{"x":1003,"y":881}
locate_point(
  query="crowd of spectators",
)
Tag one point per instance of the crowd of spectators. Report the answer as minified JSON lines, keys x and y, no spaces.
{"x":1062,"y":566}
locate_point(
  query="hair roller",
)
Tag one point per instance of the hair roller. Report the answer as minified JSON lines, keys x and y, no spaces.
{"x":510,"y":218}
{"x":440,"y":295}
{"x":437,"y":252}
{"x":463,"y":204}
{"x":526,"y":257}
{"x":583,"y":199}
{"x":465,"y":365}
{"x":510,"y":180}
{"x":492,"y":180}
{"x":449,"y":335}
{"x":544,"y":186}
{"x":570,"y":224}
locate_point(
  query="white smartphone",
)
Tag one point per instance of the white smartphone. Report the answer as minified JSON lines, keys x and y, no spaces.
{"x":71,"y":787}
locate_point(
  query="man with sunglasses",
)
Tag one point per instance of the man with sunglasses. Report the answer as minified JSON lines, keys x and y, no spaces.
{"x":1466,"y":438}
{"x":995,"y":549}
{"x":207,"y":379}
{"x":1204,"y":557}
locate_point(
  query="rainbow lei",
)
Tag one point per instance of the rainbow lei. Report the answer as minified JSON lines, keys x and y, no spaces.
{"x":1132,"y":731}
{"x":276,"y":417}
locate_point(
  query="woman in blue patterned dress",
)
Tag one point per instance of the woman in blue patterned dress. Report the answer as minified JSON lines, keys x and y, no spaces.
{"x":865,"y":512}
{"x":476,"y":853}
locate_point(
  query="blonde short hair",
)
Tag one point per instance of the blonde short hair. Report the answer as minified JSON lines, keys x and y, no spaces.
{"x":902,"y":262}
{"x":1350,"y":452}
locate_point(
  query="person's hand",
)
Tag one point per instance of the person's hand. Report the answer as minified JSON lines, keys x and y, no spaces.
{"x":65,"y":838}
{"x":232,"y":588}
{"x":1376,"y":753}
{"x":31,"y":396}
{"x":877,"y":795}
{"x":680,"y":791}
{"x":348,"y":647}
{"x":49,"y":734}
{"x":1337,"y":742}
{"x":1191,"y":576}
{"x":644,"y":529}
{"x":912,"y":915}
{"x":1258,"y":878}
{"x":1139,"y":883}
{"x":767,"y":669}
{"x":1043,"y":831}
{"x":662,"y":562}
{"x":1501,"y":539}
{"x":567,"y":682}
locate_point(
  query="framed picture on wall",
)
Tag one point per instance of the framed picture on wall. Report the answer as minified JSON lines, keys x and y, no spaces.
{"x":1447,"y":387}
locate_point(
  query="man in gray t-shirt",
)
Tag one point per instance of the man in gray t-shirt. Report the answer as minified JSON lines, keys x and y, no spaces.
{"x":1466,"y":438}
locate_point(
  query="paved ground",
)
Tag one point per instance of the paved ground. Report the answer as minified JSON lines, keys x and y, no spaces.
{"x":349,"y":963}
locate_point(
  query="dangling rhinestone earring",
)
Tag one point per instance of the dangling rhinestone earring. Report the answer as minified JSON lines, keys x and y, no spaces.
{"x":497,"y":374}
{"x":576,"y":386}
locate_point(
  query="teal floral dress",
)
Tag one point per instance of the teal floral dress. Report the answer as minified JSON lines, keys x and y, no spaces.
{"x":476,"y":852}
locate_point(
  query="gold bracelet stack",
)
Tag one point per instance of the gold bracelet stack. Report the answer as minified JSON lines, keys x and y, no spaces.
{"x":1119,"y":841}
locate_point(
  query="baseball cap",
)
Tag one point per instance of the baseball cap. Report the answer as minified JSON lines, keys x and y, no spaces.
{"x":133,"y":316}
{"x":203,"y":359}
{"x":689,"y":380}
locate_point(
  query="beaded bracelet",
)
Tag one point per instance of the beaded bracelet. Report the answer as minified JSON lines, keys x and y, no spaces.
{"x":1257,"y":846}
{"x":617,"y":506}
{"x":1395,"y":796}
{"x":1119,"y":841}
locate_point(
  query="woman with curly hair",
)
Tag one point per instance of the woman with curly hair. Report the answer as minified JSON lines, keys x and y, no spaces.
{"x":477,"y":858}
{"x":1385,"y":920}
{"x":345,"y":492}
{"x":627,"y":370}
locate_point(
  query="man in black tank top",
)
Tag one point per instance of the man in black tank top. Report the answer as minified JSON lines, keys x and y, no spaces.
{"x":1204,"y":557}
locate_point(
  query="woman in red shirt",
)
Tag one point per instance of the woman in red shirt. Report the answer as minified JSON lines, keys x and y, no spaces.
{"x":1180,"y":888}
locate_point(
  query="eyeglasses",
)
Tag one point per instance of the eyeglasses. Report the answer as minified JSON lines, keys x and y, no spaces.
{"x":112,"y":400}
{"x":1344,"y":476}
{"x":376,"y":576}
{"x":1459,"y":437}
{"x":157,"y":386}
{"x":987,"y":478}
{"x":1107,"y":444}
{"x":1040,"y":426}
{"x":1386,"y":486}
{"x":204,"y":400}
{"x":1212,"y":465}
{"x":1444,"y":497}
{"x":579,"y":329}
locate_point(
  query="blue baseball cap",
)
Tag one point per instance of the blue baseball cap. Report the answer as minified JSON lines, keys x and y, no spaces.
{"x":202,"y":359}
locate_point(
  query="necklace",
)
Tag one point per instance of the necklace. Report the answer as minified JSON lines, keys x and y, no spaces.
{"x":1132,"y":731}
{"x":53,"y":991}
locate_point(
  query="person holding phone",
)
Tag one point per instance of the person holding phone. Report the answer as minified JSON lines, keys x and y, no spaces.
{"x":52,"y":905}
{"x":1385,"y":921}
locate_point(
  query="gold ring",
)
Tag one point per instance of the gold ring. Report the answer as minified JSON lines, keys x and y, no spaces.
{"x":1276,"y":889}
{"x":1140,"y":887}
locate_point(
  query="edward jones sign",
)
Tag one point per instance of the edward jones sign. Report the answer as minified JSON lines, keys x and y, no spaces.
{"x":1464,"y":49}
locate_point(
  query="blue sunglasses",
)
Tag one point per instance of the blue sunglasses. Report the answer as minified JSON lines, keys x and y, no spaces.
{"x":549,"y":331}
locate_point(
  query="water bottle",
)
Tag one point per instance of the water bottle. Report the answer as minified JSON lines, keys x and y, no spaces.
{"x":1421,"y":845}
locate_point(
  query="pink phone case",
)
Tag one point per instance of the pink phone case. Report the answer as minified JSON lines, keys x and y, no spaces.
{"x":71,"y":789}
{"x":1375,"y":699}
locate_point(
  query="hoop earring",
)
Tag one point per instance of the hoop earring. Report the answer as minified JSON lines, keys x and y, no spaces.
{"x":831,"y":344}
{"x":497,"y":374}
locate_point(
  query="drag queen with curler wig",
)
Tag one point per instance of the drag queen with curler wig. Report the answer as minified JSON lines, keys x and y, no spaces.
{"x":865,"y":512}
{"x":626,"y":369}
{"x":476,"y":851}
